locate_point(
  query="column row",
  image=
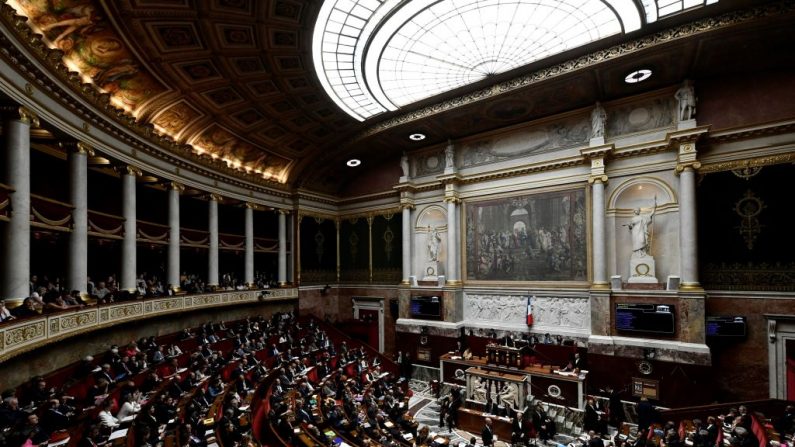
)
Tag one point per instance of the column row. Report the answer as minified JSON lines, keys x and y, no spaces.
{"x":16,"y":274}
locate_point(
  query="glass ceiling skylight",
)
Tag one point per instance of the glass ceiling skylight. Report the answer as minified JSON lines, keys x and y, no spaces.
{"x":374,"y":56}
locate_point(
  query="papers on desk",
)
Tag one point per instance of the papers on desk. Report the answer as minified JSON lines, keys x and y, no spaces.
{"x":408,"y":436}
{"x":63,"y":441}
{"x":388,"y":424}
{"x":118,"y":434}
{"x":243,"y":408}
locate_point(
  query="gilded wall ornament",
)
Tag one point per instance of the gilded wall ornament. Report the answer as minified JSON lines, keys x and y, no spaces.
{"x":749,"y":208}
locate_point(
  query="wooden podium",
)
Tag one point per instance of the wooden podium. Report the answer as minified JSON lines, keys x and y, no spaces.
{"x":507,"y":356}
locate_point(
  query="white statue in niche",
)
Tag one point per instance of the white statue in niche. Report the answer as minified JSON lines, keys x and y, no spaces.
{"x":641,"y":263}
{"x":686,"y":97}
{"x":404,"y":164}
{"x":598,"y":119}
{"x":449,"y":156}
{"x":640,"y":229}
{"x":434,"y":243}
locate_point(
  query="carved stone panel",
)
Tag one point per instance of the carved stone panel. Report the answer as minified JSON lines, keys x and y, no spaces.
{"x":496,"y":309}
{"x":550,"y":314}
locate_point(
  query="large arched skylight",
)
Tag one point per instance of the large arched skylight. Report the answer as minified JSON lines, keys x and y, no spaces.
{"x":377,"y":55}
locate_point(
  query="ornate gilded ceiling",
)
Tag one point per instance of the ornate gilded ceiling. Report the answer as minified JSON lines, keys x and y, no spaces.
{"x":231,"y":78}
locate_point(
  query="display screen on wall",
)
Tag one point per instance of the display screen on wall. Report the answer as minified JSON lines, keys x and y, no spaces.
{"x":426,"y":307}
{"x":726,"y":327}
{"x":646,"y":318}
{"x":531,"y":237}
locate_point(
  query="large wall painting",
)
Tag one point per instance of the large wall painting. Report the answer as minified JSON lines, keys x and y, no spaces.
{"x":532,"y":237}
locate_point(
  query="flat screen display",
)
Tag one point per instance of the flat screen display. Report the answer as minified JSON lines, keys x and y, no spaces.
{"x":646,"y":318}
{"x":726,"y":326}
{"x":426,"y":307}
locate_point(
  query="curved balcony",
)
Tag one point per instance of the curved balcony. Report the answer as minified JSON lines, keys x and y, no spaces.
{"x":20,"y":336}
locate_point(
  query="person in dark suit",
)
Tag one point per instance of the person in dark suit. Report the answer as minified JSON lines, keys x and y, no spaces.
{"x":595,"y":440}
{"x":591,"y":418}
{"x":487,"y":434}
{"x":520,"y":429}
{"x":646,"y":413}
{"x":579,"y":362}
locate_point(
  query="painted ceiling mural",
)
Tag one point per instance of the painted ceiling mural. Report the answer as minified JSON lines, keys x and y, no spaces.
{"x":92,"y":48}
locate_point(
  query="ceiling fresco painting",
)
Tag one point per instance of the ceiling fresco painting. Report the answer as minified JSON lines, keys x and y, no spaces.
{"x":92,"y":48}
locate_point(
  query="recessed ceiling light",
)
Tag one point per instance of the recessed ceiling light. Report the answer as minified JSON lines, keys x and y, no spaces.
{"x":417,"y":137}
{"x":353,"y":162}
{"x":638,"y":76}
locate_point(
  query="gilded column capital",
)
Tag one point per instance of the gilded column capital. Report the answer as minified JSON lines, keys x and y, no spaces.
{"x":176,"y":186}
{"x":454,"y":199}
{"x":283,"y":212}
{"x":21,"y":113}
{"x":216,"y":197}
{"x":252,"y":205}
{"x":681,"y":167}
{"x":597,"y":179}
{"x":84,"y":148}
{"x":128,"y":170}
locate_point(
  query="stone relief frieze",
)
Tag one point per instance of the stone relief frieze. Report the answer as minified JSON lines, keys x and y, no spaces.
{"x":507,"y":309}
{"x":428,"y":164}
{"x":535,"y":140}
{"x":568,"y":313}
{"x":549,"y":313}
{"x":656,"y":113}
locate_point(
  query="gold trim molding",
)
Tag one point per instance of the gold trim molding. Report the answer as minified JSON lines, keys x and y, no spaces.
{"x":708,"y":168}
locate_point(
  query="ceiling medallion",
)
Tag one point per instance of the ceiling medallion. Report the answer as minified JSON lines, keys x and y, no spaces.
{"x":353,"y":162}
{"x":417,"y":137}
{"x":638,"y":76}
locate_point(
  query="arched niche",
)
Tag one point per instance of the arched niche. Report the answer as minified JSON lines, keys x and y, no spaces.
{"x":432,"y":217}
{"x":639,"y":193}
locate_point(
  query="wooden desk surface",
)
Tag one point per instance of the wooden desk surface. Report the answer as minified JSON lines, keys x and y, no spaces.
{"x":481,"y":363}
{"x":473,"y":422}
{"x":477,"y":371}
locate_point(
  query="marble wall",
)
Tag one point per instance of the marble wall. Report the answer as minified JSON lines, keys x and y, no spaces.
{"x":743,"y":364}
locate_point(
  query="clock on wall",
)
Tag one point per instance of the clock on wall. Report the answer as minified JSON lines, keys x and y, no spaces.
{"x":645,"y":367}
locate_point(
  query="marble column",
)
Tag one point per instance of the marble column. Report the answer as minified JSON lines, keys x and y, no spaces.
{"x":77,"y":277}
{"x":688,"y":242}
{"x":212,"y":256}
{"x":452,"y":243}
{"x":282,"y":274}
{"x":598,"y":227}
{"x":173,"y":275}
{"x":406,"y":241}
{"x":129,"y":248}
{"x":249,"y":267}
{"x":16,"y":247}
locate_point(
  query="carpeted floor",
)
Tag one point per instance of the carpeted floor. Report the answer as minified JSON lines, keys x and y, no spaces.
{"x":425,"y":408}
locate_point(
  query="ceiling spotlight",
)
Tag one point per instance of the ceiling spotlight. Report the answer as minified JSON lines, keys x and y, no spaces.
{"x":417,"y":137}
{"x":638,"y":76}
{"x":353,"y":162}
